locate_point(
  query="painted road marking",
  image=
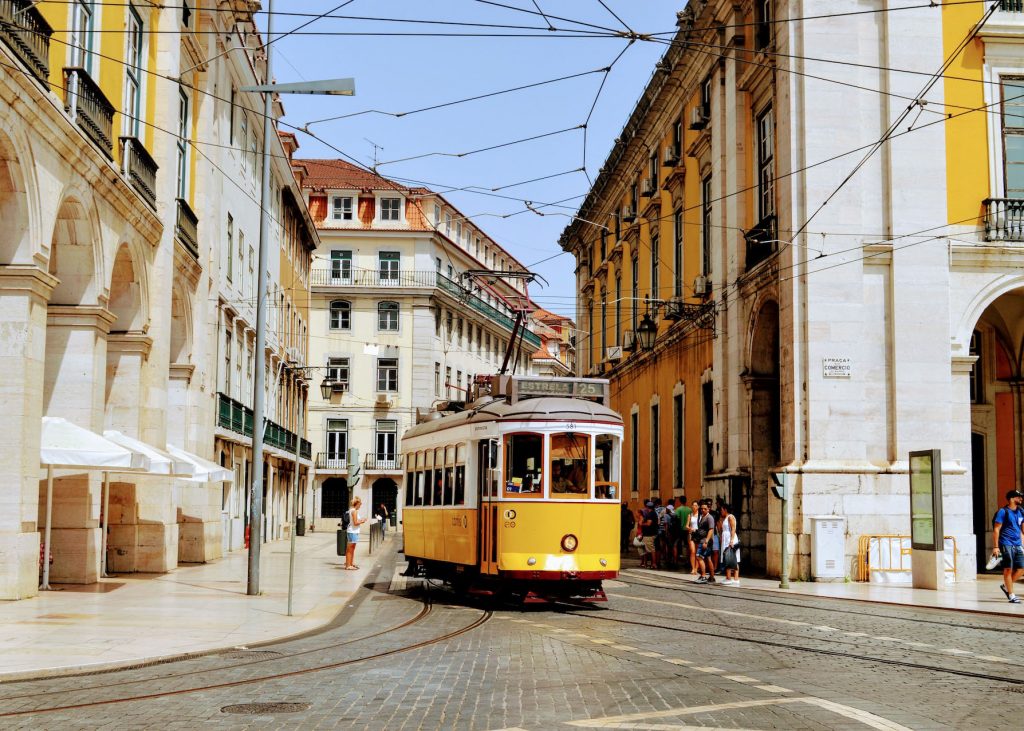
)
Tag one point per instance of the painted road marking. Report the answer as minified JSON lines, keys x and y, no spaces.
{"x":626,"y":648}
{"x":677,"y":661}
{"x":773,"y":688}
{"x":707,"y":669}
{"x":648,"y":653}
{"x":634,"y":720}
{"x":741,"y":679}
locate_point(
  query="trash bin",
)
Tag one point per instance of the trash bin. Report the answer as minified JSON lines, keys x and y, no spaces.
{"x":342,"y":541}
{"x":300,"y":525}
{"x":393,"y":520}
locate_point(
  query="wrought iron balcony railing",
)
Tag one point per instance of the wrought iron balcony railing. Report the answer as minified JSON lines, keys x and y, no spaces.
{"x":139,"y":168}
{"x":762,"y":242}
{"x":90,"y":108}
{"x":1004,"y":218}
{"x":331,"y":461}
{"x":1012,"y":6}
{"x":186,"y":228}
{"x":238,"y":418}
{"x":385,"y":461}
{"x":27,"y":34}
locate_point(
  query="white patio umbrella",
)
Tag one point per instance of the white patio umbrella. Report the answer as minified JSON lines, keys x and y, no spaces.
{"x":205,"y":470}
{"x":66,"y":445}
{"x":160,"y":463}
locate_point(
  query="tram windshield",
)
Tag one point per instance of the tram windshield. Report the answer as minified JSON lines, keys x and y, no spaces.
{"x":606,"y":467}
{"x":570,"y":465}
{"x":524,"y":460}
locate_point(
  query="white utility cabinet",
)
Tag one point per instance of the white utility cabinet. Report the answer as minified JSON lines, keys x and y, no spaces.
{"x":828,"y":547}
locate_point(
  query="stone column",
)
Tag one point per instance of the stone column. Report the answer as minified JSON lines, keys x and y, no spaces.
{"x":74,"y":388}
{"x":24,"y":292}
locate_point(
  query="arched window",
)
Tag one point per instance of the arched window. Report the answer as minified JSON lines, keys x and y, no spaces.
{"x":387,"y":316}
{"x":341,"y":315}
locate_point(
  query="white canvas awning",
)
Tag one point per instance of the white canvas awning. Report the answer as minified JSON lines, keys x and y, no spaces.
{"x":205,"y":470}
{"x":160,"y":462}
{"x":64,"y":444}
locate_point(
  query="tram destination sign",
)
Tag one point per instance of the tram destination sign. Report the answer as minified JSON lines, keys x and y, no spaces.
{"x":595,"y":389}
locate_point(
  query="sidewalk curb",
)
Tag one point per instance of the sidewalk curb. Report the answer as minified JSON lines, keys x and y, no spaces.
{"x":359,"y":596}
{"x":775,"y":591}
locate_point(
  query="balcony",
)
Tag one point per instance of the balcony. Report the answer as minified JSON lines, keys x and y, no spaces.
{"x":382,"y":462}
{"x":236,"y":417}
{"x":326,"y":277}
{"x":1004,"y":217}
{"x":139,"y":168}
{"x":27,"y":34}
{"x":1012,"y":6}
{"x":89,"y":108}
{"x":762,"y":242}
{"x":484,"y":308}
{"x":331,"y":462}
{"x":186,"y":228}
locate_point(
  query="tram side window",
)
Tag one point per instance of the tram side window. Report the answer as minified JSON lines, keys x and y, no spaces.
{"x":570,"y":465}
{"x":418,"y":496}
{"x":524,"y":465}
{"x":606,"y":467}
{"x":449,"y":475}
{"x":438,"y":477}
{"x":410,"y":486}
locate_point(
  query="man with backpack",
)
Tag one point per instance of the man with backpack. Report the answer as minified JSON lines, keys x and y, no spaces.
{"x":703,"y":538}
{"x":1007,"y":542}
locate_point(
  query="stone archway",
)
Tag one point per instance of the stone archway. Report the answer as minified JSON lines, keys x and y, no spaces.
{"x":15,"y":240}
{"x":334,"y":497}
{"x":996,"y":396}
{"x":127,"y":344}
{"x":385,"y":490}
{"x":761,"y":378}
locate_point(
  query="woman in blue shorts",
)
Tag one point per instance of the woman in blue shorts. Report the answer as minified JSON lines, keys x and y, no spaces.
{"x":352,"y":533}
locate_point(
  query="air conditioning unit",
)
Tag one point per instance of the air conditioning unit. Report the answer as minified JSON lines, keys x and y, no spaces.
{"x":628,"y":340}
{"x":383,"y":400}
{"x":628,"y":214}
{"x":649,"y":187}
{"x":674,"y":309}
{"x":613,"y":352}
{"x":671,"y":157}
{"x":698,"y":118}
{"x":702,"y":286}
{"x":339,"y":386}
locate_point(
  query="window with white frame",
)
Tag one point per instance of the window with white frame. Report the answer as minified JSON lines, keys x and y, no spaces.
{"x":1013,"y":136}
{"x":766,"y":163}
{"x":229,"y":250}
{"x":387,"y":316}
{"x":705,"y":227}
{"x":337,"y":439}
{"x":181,"y":144}
{"x":437,"y":380}
{"x":241,"y":257}
{"x":341,"y":208}
{"x":677,"y":234}
{"x":341,"y":315}
{"x":387,"y":374}
{"x":388,"y":266}
{"x":391,"y":209}
{"x":338,"y":373}
{"x":133,"y":74}
{"x":81,"y":34}
{"x":341,"y":266}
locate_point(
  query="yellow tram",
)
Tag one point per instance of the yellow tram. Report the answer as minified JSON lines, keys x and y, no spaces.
{"x":518,"y":494}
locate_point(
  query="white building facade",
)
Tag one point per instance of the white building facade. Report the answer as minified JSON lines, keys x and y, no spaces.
{"x":395,"y":324}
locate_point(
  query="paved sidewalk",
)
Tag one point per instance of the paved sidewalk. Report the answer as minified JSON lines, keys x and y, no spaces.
{"x":133,"y":618}
{"x":982,"y":595}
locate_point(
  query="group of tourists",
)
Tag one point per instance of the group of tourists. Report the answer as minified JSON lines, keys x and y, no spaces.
{"x":703,"y":534}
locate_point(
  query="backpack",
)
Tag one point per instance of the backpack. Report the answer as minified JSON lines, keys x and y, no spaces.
{"x":346,"y":519}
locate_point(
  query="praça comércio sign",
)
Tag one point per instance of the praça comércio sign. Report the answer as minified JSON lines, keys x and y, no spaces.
{"x":835,"y":367}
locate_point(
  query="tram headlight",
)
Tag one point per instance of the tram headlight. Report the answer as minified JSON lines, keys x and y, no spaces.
{"x":569,"y":543}
{"x":602,"y":561}
{"x":531,"y":561}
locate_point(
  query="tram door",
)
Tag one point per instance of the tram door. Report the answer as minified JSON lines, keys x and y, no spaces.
{"x":487,"y":489}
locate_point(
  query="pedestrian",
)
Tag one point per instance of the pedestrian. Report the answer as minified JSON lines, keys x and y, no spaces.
{"x":692,"y":525}
{"x":730,"y":543}
{"x":682,"y":523}
{"x":648,"y":535}
{"x":1007,"y":542}
{"x":352,"y":533}
{"x":626,"y":523}
{"x":703,"y":538}
{"x":381,"y":514}
{"x":665,"y":534}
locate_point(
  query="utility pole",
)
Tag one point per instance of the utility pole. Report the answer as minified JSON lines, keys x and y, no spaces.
{"x":295,"y":505}
{"x":258,"y":416}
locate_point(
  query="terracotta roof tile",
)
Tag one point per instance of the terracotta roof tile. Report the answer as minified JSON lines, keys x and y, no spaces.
{"x":340,"y":174}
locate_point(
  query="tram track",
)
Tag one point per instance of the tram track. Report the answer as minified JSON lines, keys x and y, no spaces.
{"x":687,"y":586}
{"x":947,"y":669}
{"x":424,"y":612}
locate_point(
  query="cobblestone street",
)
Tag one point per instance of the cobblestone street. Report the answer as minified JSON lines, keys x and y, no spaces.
{"x":661,"y":654}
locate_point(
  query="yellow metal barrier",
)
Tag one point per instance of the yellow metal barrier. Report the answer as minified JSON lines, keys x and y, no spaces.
{"x":889,"y":558}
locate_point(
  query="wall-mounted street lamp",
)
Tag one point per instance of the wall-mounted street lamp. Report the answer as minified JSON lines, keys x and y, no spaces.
{"x":646,"y":332}
{"x":326,"y":388}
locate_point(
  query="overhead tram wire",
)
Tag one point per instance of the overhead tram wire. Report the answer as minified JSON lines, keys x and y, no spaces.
{"x":593,"y":106}
{"x":548,"y":15}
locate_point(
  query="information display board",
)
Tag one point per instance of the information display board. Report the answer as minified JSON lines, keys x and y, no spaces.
{"x":926,"y":500}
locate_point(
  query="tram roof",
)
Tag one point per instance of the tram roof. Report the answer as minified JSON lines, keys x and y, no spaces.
{"x":547,"y":408}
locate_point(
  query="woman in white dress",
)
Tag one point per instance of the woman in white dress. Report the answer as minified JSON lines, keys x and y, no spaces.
{"x":730,"y":544}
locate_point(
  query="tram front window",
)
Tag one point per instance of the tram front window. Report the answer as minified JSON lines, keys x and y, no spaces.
{"x":606,"y":467}
{"x":570,"y":465}
{"x":524,"y":460}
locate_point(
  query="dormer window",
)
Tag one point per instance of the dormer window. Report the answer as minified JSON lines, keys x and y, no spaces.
{"x":391,"y":209}
{"x":341,"y":208}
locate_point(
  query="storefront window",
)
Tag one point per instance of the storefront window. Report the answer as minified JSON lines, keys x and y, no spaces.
{"x":570,"y":465}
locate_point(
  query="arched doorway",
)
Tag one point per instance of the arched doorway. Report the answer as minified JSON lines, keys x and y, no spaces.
{"x":15,"y":244}
{"x":762,"y":381}
{"x":996,"y":395}
{"x":334,"y":497}
{"x":385,"y":490}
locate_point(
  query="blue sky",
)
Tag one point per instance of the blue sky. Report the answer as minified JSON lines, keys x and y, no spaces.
{"x":402,"y":73}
